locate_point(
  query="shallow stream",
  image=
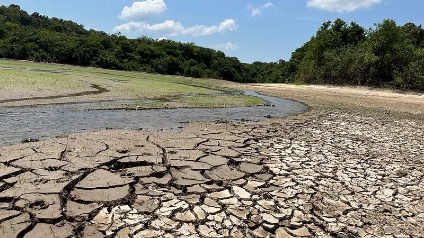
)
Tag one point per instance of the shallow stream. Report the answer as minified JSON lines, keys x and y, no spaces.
{"x":46,"y":121}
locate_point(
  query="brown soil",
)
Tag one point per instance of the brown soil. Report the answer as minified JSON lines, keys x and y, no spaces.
{"x":352,"y":166}
{"x":349,"y":98}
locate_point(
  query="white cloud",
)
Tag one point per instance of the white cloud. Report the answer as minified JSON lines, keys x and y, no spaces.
{"x":341,"y":5}
{"x":143,"y":10}
{"x":201,"y":30}
{"x":167,"y":28}
{"x":256,"y":11}
{"x":226,"y":46}
{"x":172,"y":28}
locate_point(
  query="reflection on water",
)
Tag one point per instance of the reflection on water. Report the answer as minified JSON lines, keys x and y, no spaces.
{"x":52,"y":120}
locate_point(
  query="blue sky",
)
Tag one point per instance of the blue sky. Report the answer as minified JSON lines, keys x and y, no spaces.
{"x":251,"y":30}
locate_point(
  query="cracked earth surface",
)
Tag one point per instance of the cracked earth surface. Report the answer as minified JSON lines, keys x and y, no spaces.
{"x":326,"y":173}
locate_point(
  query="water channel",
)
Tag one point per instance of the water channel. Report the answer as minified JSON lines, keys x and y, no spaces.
{"x":46,"y":121}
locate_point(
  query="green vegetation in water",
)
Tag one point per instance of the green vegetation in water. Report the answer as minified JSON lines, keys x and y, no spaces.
{"x":222,"y":101}
{"x":197,"y":102}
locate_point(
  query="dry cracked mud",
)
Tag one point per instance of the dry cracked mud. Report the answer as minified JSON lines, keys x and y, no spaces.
{"x":325,"y":173}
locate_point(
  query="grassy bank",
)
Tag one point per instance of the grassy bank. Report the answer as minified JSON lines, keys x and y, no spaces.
{"x":23,"y":79}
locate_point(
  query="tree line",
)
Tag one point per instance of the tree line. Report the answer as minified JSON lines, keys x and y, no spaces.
{"x":42,"y":39}
{"x":339,"y":53}
{"x":346,"y":54}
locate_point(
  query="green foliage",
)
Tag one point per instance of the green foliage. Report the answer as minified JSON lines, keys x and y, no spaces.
{"x":346,"y":54}
{"x":43,"y":39}
{"x":412,"y":77}
{"x":259,"y":72}
{"x":393,"y":49}
{"x":339,"y":53}
{"x":325,"y":57}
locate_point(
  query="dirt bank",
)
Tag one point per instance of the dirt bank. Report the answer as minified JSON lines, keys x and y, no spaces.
{"x":345,"y":168}
{"x":360,"y":99}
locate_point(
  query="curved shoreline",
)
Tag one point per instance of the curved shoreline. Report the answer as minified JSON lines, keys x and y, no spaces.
{"x":338,"y":169}
{"x":99,"y":90}
{"x":41,"y":122}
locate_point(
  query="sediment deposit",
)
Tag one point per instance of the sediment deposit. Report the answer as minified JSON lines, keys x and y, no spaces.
{"x":327,"y":172}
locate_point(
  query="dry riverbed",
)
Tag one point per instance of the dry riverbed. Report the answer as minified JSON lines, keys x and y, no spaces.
{"x":352,"y":166}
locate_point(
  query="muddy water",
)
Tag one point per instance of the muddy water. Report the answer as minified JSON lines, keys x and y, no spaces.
{"x":45,"y":121}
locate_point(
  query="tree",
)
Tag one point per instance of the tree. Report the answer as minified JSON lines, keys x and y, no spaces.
{"x":311,"y":61}
{"x":393,"y":49}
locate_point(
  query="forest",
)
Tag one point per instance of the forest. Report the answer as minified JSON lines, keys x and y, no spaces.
{"x":340,"y":53}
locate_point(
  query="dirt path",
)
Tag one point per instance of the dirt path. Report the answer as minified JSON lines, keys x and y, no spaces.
{"x":346,"y":168}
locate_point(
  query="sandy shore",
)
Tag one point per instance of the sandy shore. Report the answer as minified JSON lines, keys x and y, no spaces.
{"x":352,"y":166}
{"x":351,"y":98}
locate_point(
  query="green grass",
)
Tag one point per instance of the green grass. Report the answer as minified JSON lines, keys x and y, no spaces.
{"x":28,"y":81}
{"x":197,"y":102}
{"x":221,"y":101}
{"x":54,"y":78}
{"x":30,"y":78}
